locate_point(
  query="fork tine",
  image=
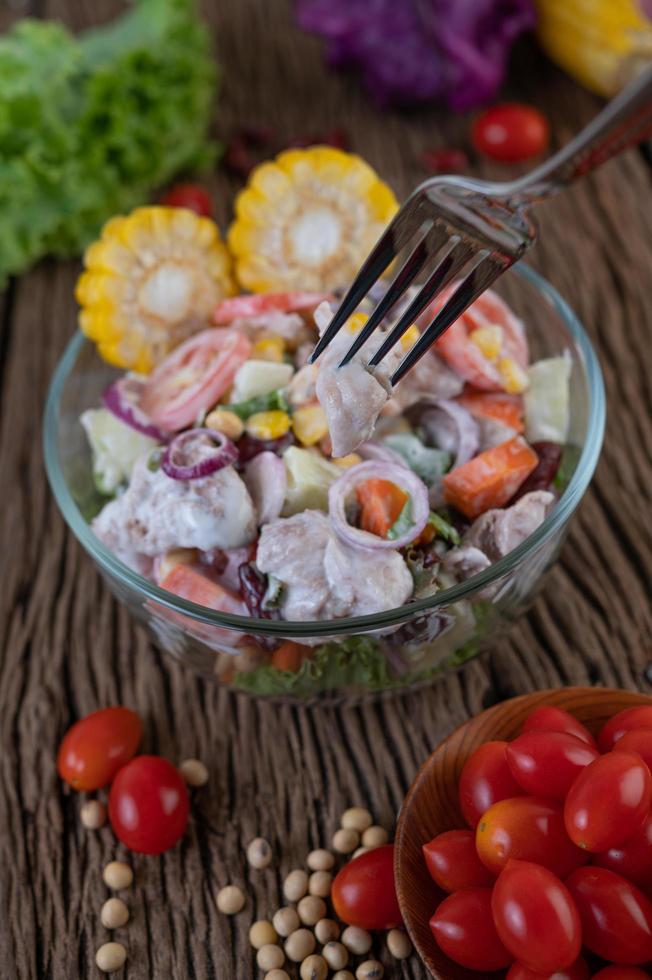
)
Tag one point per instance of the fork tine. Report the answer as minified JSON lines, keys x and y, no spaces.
{"x":483,"y":274}
{"x":399,"y":232}
{"x":431,"y":242}
{"x":454,"y":259}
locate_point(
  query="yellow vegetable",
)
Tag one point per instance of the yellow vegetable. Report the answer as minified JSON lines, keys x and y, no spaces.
{"x":515,"y":379}
{"x":269,"y":349}
{"x":226,"y":422}
{"x":307,"y":220}
{"x":151,"y":280}
{"x":309,"y":424}
{"x":347,"y":461}
{"x":488,"y":340}
{"x":410,"y":337}
{"x":268,"y":425}
{"x":356,"y":322}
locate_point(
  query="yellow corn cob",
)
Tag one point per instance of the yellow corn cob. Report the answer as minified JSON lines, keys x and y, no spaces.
{"x":268,"y":425}
{"x":515,"y":379}
{"x":269,"y":349}
{"x":309,"y":424}
{"x":151,"y":279}
{"x":307,"y":220}
{"x":488,"y":340}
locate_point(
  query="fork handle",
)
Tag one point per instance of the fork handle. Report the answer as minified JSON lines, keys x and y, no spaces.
{"x":624,"y":122}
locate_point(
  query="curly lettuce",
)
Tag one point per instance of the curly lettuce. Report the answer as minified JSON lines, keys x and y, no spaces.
{"x":89,"y":126}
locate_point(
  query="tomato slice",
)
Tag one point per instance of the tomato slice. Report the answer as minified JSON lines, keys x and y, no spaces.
{"x":547,"y":718}
{"x":616,"y":916}
{"x":194,"y":377}
{"x":464,"y":356}
{"x":624,"y":721}
{"x":229,"y":310}
{"x":453,"y":862}
{"x":464,"y":930}
{"x":547,"y":763}
{"x":97,"y":746}
{"x":578,"y":971}
{"x":486,"y":778}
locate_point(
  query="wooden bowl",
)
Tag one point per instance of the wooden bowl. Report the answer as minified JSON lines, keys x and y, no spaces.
{"x":431,"y":806}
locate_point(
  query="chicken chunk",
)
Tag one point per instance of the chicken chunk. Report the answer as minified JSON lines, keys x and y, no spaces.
{"x":324,"y":578}
{"x":497,"y":532}
{"x":156,"y":514}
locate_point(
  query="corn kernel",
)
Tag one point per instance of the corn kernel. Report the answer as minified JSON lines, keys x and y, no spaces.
{"x":347,"y":461}
{"x":309,"y":424}
{"x":488,"y":340}
{"x":515,"y":379}
{"x":268,"y":425}
{"x":228,"y":423}
{"x":269,"y":349}
{"x":410,"y":337}
{"x":356,"y":322}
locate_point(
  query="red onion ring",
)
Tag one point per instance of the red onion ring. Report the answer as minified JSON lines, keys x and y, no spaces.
{"x":402,"y":477}
{"x":174,"y":465}
{"x":265,"y":477}
{"x":453,"y":428}
{"x":122,"y":398}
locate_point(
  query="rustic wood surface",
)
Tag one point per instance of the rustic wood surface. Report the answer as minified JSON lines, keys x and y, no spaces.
{"x":286,"y":772}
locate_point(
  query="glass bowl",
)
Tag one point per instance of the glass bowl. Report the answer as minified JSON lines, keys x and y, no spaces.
{"x":349,"y":657}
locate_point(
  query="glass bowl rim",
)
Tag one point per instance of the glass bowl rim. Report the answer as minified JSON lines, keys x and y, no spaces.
{"x":567,"y":503}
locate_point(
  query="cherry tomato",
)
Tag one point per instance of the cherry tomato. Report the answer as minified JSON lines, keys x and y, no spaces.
{"x":547,"y":763}
{"x":624,"y":721}
{"x":194,"y":377}
{"x":463,"y":355}
{"x":633,"y":859}
{"x":578,"y":971}
{"x":536,"y":918}
{"x":229,"y":310}
{"x":464,"y":931}
{"x":194,"y":197}
{"x":638,"y":742}
{"x":550,"y":719}
{"x":616,"y":916}
{"x":363,"y":892}
{"x":608,"y":801}
{"x":148,"y":805}
{"x":453,"y":862}
{"x":621,"y":973}
{"x":485,"y":780}
{"x":527,"y":829}
{"x":510,"y":132}
{"x":97,"y":746}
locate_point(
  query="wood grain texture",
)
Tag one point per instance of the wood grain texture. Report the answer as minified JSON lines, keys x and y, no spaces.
{"x":284,"y":772}
{"x":432,"y":804}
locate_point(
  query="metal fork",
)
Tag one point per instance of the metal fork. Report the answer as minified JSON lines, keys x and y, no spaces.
{"x":450,"y":224}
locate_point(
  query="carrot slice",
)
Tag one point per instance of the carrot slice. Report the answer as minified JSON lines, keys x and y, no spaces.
{"x":195,"y":587}
{"x":381,"y":503}
{"x":507,"y":409}
{"x":491,"y":478}
{"x":290,"y":656}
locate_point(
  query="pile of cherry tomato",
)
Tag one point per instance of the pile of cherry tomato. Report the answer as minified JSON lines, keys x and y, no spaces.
{"x":148,"y":798}
{"x":554,"y":876}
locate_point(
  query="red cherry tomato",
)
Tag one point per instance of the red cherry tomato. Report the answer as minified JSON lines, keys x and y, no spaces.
{"x":633,"y":859}
{"x":550,"y":719}
{"x":578,"y":971}
{"x":547,"y":763}
{"x":97,"y":746}
{"x":464,"y":931}
{"x":623,"y":722}
{"x":363,"y":892}
{"x":639,"y":742}
{"x":453,"y":862}
{"x":194,"y":377}
{"x":527,"y":829}
{"x":621,"y":973}
{"x":510,"y":132}
{"x":463,"y":355}
{"x":194,"y":197}
{"x":536,"y":918}
{"x":148,"y":805}
{"x":616,"y":916}
{"x":486,"y":779}
{"x":608,"y":802}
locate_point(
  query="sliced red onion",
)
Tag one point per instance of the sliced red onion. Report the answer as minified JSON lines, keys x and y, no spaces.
{"x":377,"y":451}
{"x":266,"y":479}
{"x":403,"y":478}
{"x":197,"y":453}
{"x":453,"y":428}
{"x":122,"y":399}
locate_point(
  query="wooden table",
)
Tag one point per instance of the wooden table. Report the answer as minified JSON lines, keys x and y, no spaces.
{"x":287,"y":773}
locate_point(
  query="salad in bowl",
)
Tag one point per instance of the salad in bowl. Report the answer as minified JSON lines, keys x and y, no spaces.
{"x":306,"y":527}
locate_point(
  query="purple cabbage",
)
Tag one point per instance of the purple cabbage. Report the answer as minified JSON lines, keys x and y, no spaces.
{"x":411,"y":51}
